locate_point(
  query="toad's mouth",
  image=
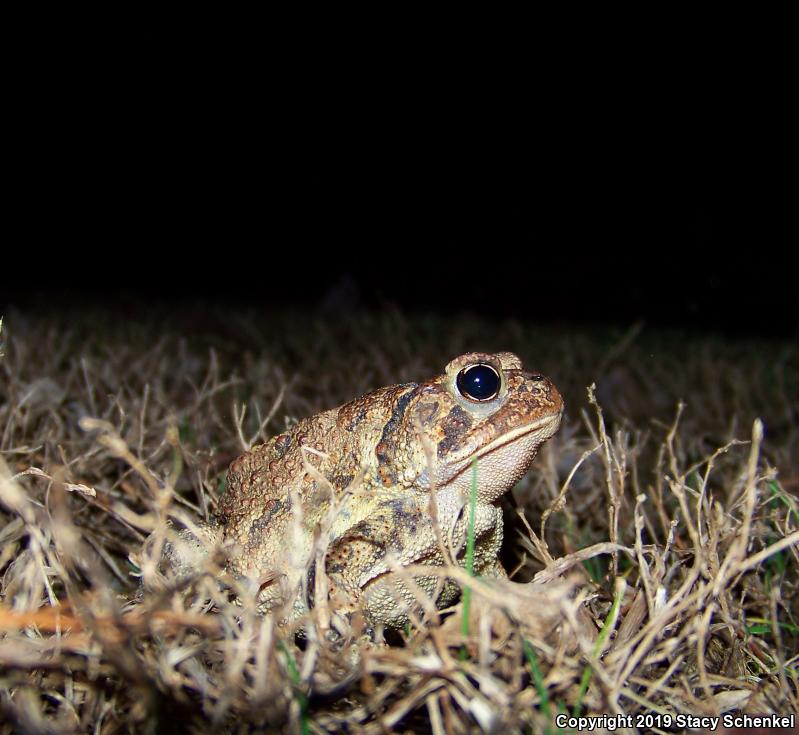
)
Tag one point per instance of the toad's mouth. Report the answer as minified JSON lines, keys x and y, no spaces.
{"x":542,"y":428}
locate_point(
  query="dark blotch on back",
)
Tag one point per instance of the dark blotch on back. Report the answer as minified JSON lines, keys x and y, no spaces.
{"x":355,"y":418}
{"x":388,"y":439}
{"x":402,"y":514}
{"x":341,"y":481}
{"x":259,"y":524}
{"x":282,"y":444}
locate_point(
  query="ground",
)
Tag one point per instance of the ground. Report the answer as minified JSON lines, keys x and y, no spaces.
{"x":653,"y":546}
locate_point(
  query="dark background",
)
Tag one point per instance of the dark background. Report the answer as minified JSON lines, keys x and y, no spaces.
{"x":686,"y":241}
{"x":583,"y":194}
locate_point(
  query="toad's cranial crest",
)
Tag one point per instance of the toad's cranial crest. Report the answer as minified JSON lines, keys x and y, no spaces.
{"x":361,"y":477}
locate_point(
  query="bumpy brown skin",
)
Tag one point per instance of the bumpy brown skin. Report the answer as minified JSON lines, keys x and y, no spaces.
{"x":362,"y":476}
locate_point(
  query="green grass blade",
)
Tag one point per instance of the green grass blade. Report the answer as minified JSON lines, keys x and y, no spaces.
{"x":607,"y":626}
{"x":467,"y":592}
{"x":538,"y":681}
{"x":294,"y":675}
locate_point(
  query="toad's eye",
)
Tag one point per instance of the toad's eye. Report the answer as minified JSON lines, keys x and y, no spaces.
{"x":478,"y":382}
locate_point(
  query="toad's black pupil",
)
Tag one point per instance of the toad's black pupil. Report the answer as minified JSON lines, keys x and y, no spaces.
{"x":478,"y":382}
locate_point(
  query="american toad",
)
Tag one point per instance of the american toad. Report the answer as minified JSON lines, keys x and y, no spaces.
{"x":354,"y":486}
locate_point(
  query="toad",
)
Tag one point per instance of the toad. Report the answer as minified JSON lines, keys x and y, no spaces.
{"x":381,"y":483}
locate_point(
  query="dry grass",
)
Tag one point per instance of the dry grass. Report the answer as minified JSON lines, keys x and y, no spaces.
{"x":655,"y":543}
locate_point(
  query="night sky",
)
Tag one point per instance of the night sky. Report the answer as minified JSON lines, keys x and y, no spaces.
{"x":684,"y":253}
